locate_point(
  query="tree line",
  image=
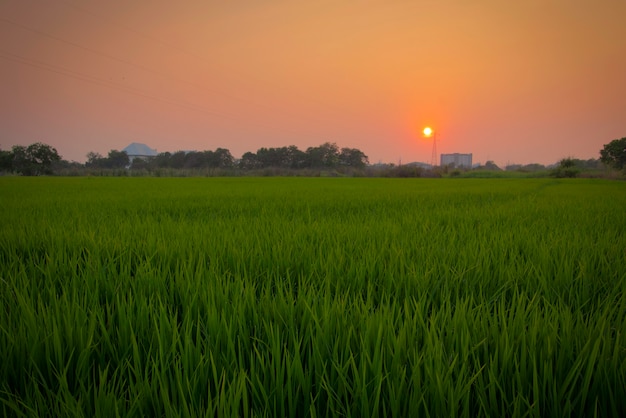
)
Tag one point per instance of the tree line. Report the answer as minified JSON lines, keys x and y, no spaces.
{"x":328,"y":155}
{"x":40,"y":159}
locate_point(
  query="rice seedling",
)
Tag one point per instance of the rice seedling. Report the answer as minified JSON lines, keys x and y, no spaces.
{"x":312,"y":297}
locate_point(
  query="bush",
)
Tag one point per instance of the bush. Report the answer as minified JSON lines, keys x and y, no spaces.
{"x":566,"y":169}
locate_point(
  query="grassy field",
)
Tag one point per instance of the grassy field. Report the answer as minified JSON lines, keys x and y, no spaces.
{"x":319,"y":297}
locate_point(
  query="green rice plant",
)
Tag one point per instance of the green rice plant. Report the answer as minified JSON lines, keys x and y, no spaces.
{"x":312,"y":297}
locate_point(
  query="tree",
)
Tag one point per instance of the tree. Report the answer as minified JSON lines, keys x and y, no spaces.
{"x":140,"y":164}
{"x":115,"y":159}
{"x":162,"y":160}
{"x":249,"y":161}
{"x":6,"y":161}
{"x":567,"y":168}
{"x":177,"y":160}
{"x":283,"y":157}
{"x":118,"y":159}
{"x":297,"y":158}
{"x":34,"y":160}
{"x":94,"y":159}
{"x":326,"y":155}
{"x":272,"y":157}
{"x":194,"y":159}
{"x":533,"y":167}
{"x":21,"y":162}
{"x":614,"y":154}
{"x":222,"y":158}
{"x":490,"y":165}
{"x":353,"y":157}
{"x":43,"y":156}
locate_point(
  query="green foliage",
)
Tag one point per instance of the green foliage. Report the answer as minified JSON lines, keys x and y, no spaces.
{"x":567,"y":168}
{"x":312,"y":297}
{"x":614,"y":154}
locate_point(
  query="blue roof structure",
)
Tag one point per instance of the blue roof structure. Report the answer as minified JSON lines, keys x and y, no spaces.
{"x":140,"y":150}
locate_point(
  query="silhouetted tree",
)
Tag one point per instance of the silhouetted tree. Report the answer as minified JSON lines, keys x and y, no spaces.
{"x":614,"y":154}
{"x":139,"y":164}
{"x":94,"y":160}
{"x":490,"y":165}
{"x":566,"y":168}
{"x":117,"y":159}
{"x":21,"y":162}
{"x":221,"y":158}
{"x":283,"y":157}
{"x":161,"y":160}
{"x":533,"y":167}
{"x":194,"y":159}
{"x":177,"y":160}
{"x":272,"y":157}
{"x":353,"y":157}
{"x":249,"y":161}
{"x":6,"y":161}
{"x":34,"y":160}
{"x":326,"y":155}
{"x":297,"y":158}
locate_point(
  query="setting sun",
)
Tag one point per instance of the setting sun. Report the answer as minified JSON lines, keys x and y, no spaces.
{"x":123,"y":71}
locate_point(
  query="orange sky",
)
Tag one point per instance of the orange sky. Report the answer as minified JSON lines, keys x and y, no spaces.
{"x":512,"y":82}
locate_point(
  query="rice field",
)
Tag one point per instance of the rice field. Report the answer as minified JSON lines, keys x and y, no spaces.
{"x":317,"y":297}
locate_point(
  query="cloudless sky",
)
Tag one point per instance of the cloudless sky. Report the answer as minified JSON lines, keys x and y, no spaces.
{"x":509,"y":81}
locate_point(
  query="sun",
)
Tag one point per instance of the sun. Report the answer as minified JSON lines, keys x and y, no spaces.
{"x":427,"y":131}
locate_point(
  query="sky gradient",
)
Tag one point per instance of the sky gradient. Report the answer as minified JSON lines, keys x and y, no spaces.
{"x":511,"y":82}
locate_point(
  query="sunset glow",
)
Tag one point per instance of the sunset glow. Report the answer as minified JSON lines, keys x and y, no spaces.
{"x":427,"y":132}
{"x":512,"y":82}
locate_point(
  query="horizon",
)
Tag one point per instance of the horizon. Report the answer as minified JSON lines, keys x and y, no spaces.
{"x":371,"y":163}
{"x":509,"y":83}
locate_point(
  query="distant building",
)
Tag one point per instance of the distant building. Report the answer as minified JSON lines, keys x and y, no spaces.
{"x":456,"y":160}
{"x":137,"y":150}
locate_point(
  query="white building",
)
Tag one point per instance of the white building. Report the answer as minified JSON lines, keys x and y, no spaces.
{"x":456,"y":160}
{"x":137,"y":150}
